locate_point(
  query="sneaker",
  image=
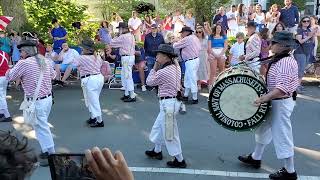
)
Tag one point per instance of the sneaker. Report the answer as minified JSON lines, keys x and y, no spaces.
{"x":97,"y":124}
{"x":247,"y":159}
{"x":91,"y":121}
{"x":43,"y":159}
{"x":143,"y":88}
{"x":152,"y":154}
{"x":125,"y":97}
{"x":284,"y":175}
{"x":4,"y":119}
{"x":55,"y":82}
{"x":176,"y":164}
{"x":61,"y":83}
{"x":130,"y":100}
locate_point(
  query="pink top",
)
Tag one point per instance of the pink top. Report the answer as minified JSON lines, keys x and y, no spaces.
{"x":168,"y":80}
{"x":88,"y":64}
{"x":190,"y":46}
{"x":253,"y":47}
{"x":283,"y":75}
{"x":126,"y":43}
{"x":28,"y":71}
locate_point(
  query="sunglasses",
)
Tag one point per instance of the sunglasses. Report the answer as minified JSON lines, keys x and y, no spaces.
{"x":306,"y":21}
{"x":198,"y":32}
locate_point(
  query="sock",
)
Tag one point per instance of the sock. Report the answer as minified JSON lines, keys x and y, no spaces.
{"x":183,"y":107}
{"x":186,"y":92}
{"x":258,"y":151}
{"x":6,"y":113}
{"x":157,"y":148}
{"x":126,"y":92}
{"x":179,"y":157}
{"x":289,"y":164}
{"x":194,"y":96}
{"x":99,"y":119}
{"x":132,"y":94}
{"x":51,"y":150}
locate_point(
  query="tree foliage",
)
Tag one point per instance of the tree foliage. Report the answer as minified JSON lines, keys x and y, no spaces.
{"x":300,"y":3}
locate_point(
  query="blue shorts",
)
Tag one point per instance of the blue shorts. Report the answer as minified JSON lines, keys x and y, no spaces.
{"x":63,"y":67}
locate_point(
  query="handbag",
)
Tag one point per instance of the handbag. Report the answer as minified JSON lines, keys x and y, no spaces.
{"x":28,"y":107}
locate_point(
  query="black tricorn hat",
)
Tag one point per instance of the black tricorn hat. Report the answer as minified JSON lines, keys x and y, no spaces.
{"x":186,"y":28}
{"x":24,"y":43}
{"x":166,"y":49}
{"x":122,"y":25}
{"x":284,"y":38}
{"x":87,"y":43}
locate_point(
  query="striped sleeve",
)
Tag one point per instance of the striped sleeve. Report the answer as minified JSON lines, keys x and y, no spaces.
{"x":16,"y":72}
{"x":286,"y":79}
{"x":154,"y":78}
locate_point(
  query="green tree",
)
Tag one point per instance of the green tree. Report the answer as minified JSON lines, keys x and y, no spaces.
{"x":300,"y":3}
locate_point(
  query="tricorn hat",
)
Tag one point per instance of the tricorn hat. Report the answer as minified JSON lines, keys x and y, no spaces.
{"x":186,"y":28}
{"x":87,"y":43}
{"x":24,"y":43}
{"x":166,"y":49}
{"x":122,"y":25}
{"x":284,"y":38}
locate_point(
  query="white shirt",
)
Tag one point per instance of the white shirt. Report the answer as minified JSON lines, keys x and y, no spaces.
{"x":232,"y":23}
{"x":114,"y":25}
{"x":134,"y":23}
{"x":69,"y":56}
{"x":236,"y":51}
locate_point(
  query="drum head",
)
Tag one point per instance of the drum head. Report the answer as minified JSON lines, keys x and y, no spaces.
{"x":231,"y":102}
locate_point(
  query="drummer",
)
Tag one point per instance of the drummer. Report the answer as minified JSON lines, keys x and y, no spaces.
{"x":282,"y":81}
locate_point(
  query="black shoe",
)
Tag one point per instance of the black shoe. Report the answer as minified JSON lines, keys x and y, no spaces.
{"x":125,"y":97}
{"x":130,"y":100}
{"x":61,"y":83}
{"x":176,"y":164}
{"x":55,"y":82}
{"x":91,"y":121}
{"x":43,"y":159}
{"x":194,"y":101}
{"x":97,"y":124}
{"x":4,"y":119}
{"x":184,"y":98}
{"x":247,"y":159}
{"x":283,"y":174}
{"x":1,"y":115}
{"x":154,"y":155}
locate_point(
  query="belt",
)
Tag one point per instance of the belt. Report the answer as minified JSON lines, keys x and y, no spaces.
{"x":88,"y":75}
{"x":30,"y":98}
{"x":282,"y":98}
{"x":126,"y":55}
{"x":167,"y":97}
{"x":191,"y":59}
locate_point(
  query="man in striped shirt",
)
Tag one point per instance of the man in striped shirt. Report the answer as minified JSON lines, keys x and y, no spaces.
{"x":166,"y":74}
{"x":126,"y":43}
{"x":282,"y":81}
{"x":28,"y":71}
{"x":190,"y":47}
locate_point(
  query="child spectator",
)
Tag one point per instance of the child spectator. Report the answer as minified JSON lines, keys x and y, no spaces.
{"x":237,"y":49}
{"x":265,"y":47}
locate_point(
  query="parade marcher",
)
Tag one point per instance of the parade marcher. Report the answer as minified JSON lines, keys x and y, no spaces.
{"x":126,"y":43}
{"x":166,"y":74}
{"x":29,"y":70}
{"x":190,"y":47}
{"x":92,"y":81}
{"x":282,"y":81}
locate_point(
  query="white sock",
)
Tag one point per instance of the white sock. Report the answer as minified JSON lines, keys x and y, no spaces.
{"x":186,"y":92}
{"x":179,"y":157}
{"x":289,"y":164}
{"x":194,"y":96}
{"x":99,"y":119}
{"x":258,"y":151}
{"x":51,"y":150}
{"x":157,"y":148}
{"x":126,"y":92}
{"x":132,"y":94}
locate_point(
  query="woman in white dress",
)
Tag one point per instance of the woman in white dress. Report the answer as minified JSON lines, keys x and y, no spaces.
{"x":272,"y":17}
{"x":203,"y":72}
{"x":242,"y":18}
{"x":259,"y":18}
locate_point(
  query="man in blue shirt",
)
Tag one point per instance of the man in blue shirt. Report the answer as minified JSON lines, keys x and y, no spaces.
{"x":58,"y":34}
{"x":151,"y":43}
{"x":290,"y":16}
{"x":221,"y":19}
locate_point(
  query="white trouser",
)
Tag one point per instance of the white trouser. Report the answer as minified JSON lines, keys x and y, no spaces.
{"x":42,"y":129}
{"x":126,"y":72}
{"x":91,"y":87}
{"x":278,"y":127}
{"x":157,"y":135}
{"x":3,"y":93}
{"x":191,"y":75}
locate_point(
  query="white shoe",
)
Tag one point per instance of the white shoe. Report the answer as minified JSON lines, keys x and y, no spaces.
{"x":182,"y":109}
{"x":143,"y":88}
{"x":122,"y":88}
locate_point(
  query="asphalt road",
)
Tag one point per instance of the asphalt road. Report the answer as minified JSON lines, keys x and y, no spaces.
{"x":206,"y":145}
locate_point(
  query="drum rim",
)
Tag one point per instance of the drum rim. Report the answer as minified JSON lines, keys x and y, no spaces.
{"x":217,"y":120}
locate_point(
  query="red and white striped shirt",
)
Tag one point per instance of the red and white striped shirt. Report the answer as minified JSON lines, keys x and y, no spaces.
{"x":126,"y":43}
{"x":253,"y":47}
{"x":88,"y":64}
{"x":190,"y":46}
{"x":283,"y":75}
{"x":168,"y":80}
{"x":28,"y":71}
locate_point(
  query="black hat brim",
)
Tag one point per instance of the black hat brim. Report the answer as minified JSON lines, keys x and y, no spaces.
{"x":167,"y":53}
{"x":189,"y":30}
{"x":291,"y":43}
{"x":25,"y":44}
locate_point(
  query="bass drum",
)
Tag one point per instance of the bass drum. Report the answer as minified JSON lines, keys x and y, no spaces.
{"x":231,"y":99}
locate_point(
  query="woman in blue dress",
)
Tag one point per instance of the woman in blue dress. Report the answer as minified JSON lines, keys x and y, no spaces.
{"x":15,"y":40}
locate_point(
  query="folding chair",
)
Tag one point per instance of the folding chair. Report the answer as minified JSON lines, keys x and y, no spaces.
{"x":111,"y":77}
{"x":116,"y":79}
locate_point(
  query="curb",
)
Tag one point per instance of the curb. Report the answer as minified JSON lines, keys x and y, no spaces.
{"x":307,"y":81}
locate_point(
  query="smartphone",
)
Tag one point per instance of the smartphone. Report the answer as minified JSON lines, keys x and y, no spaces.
{"x":69,"y":167}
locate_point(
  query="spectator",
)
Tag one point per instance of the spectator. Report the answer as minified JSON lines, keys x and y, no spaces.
{"x":104,"y":33}
{"x":58,"y":34}
{"x":111,"y":55}
{"x":265,"y":47}
{"x":302,"y":54}
{"x":232,"y":21}
{"x":242,"y":18}
{"x":167,"y":23}
{"x":116,"y":19}
{"x":178,"y":22}
{"x":51,"y":55}
{"x":259,"y":18}
{"x":315,"y":27}
{"x":217,"y":47}
{"x":135,"y":24}
{"x":278,"y":27}
{"x":203,"y":57}
{"x":250,"y":12}
{"x":67,"y":56}
{"x":158,"y":20}
{"x":237,"y":49}
{"x":289,"y":16}
{"x":15,"y":41}
{"x":140,"y":65}
{"x":272,"y":17}
{"x":151,"y":43}
{"x":190,"y":21}
{"x":4,"y":43}
{"x":221,"y":19}
{"x":146,"y":25}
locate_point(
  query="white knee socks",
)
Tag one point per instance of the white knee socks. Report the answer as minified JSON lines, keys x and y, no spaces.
{"x":186,"y":92}
{"x":289,"y":164}
{"x":5,"y":112}
{"x":157,"y":148}
{"x":132,"y":94}
{"x":126,"y":92}
{"x":99,"y":119}
{"x":179,"y":157}
{"x":258,"y":151}
{"x":194,"y":96}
